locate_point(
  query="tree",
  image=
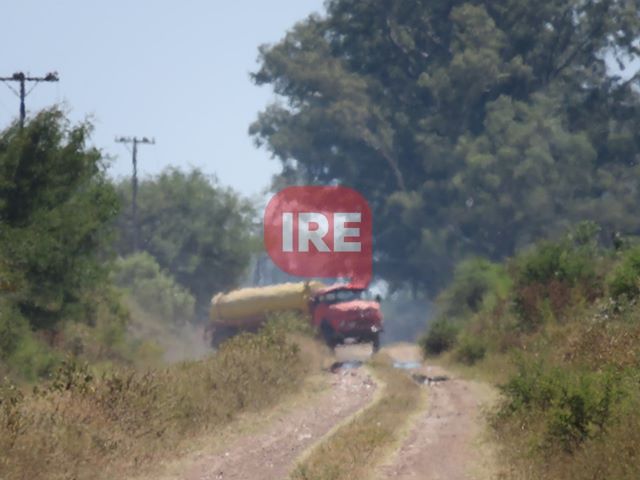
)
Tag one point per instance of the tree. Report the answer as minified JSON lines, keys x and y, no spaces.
{"x":200,"y":232}
{"x":471,"y":127}
{"x":56,"y":209}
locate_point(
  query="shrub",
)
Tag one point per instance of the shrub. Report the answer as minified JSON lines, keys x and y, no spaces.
{"x":625,"y":277}
{"x":561,"y":261}
{"x":470,"y":350}
{"x":154,"y":290}
{"x":477,"y":283}
{"x":572,"y":405}
{"x":550,"y":275}
{"x":13,"y":327}
{"x":289,"y":322}
{"x":20,"y":350}
{"x":440,"y":337}
{"x":87,"y":425}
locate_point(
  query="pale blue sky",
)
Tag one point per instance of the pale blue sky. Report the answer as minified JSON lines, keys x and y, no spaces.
{"x":178,"y":71}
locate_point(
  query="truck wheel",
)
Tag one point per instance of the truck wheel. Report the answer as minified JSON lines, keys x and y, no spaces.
{"x":327,"y":335}
{"x":376,"y":342}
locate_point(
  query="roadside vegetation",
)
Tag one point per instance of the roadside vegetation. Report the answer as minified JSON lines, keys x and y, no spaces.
{"x":473,"y":128}
{"x":478,"y":132}
{"x":351,"y":451}
{"x":199,"y":232}
{"x":92,"y":331}
{"x":86,"y":424}
{"x":71,"y":282}
{"x":558,"y":326}
{"x":56,"y":207}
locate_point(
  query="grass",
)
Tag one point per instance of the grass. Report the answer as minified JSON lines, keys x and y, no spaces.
{"x":494,"y":368}
{"x":563,"y":343}
{"x":571,"y":409}
{"x":82,"y":425}
{"x":351,"y":451}
{"x":569,"y":406}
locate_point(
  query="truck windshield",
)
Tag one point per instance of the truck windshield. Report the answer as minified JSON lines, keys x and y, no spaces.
{"x":346,"y":296}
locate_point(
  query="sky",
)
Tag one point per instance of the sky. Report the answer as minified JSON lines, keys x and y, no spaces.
{"x":175,"y":71}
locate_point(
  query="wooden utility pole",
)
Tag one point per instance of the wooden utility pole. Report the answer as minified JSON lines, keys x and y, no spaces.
{"x":135,"y":141}
{"x":22,"y":79}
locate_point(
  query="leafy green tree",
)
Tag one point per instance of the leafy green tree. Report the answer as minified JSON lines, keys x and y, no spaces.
{"x":197,"y":230}
{"x":471,"y":127}
{"x":56,"y":210}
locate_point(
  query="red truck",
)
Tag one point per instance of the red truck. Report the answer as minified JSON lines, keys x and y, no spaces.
{"x":341,"y":313}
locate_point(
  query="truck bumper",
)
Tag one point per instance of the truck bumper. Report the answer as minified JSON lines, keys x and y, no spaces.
{"x":360,"y":335}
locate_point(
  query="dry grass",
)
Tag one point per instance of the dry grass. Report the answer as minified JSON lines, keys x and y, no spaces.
{"x":614,"y":455}
{"x":579,"y":417}
{"x":352,"y":450}
{"x":494,"y":368}
{"x":82,"y":426}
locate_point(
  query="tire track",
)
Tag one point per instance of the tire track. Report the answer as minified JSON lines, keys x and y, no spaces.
{"x":272,"y":453}
{"x":446,"y":441}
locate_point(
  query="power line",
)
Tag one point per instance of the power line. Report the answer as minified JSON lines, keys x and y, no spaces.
{"x":21,"y":78}
{"x":134,"y":180}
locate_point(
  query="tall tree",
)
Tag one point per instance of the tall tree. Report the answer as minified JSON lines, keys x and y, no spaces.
{"x":471,"y":127}
{"x":56,"y":208}
{"x":199,"y":231}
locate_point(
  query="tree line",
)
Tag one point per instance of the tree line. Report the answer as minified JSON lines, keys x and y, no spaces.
{"x":472,"y":127}
{"x":65,"y":240}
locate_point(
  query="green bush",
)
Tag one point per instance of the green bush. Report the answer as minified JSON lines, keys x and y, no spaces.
{"x":560,"y":261}
{"x":572,"y":405}
{"x":470,"y":350}
{"x":440,"y":337}
{"x":13,"y":327}
{"x":549,"y":277}
{"x":23,"y":354}
{"x":477,"y":283}
{"x":625,"y":277}
{"x":153,"y":289}
{"x":32,"y":359}
{"x":571,"y":260}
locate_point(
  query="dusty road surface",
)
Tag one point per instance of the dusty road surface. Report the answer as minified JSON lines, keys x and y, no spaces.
{"x":271,"y":452}
{"x":446,"y":441}
{"x":441,"y":441}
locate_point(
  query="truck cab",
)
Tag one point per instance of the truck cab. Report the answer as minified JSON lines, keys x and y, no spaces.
{"x":347,"y":313}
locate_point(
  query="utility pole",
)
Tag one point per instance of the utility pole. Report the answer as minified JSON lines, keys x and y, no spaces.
{"x":21,"y":78}
{"x":134,"y":180}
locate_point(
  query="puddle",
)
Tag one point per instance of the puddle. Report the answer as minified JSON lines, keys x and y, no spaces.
{"x":345,"y":365}
{"x":425,"y":380}
{"x":407,"y":365}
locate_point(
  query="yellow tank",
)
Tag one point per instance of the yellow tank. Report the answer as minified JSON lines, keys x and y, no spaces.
{"x":248,"y":306}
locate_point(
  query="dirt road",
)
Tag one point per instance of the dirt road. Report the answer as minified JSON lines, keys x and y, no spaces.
{"x":443,"y":440}
{"x":269,"y":448}
{"x":446,"y":440}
